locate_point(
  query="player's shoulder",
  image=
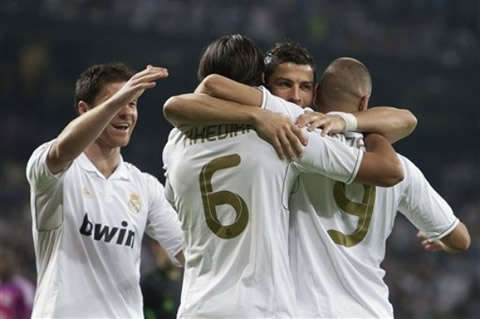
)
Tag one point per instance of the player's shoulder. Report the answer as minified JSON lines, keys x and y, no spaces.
{"x":277,"y":104}
{"x":407,"y":164}
{"x":140,"y":176}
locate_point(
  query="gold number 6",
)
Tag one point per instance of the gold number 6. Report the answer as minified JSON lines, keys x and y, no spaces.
{"x":211,"y":199}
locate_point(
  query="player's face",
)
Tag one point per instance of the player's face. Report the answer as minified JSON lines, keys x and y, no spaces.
{"x":293,"y":82}
{"x":120,"y":128}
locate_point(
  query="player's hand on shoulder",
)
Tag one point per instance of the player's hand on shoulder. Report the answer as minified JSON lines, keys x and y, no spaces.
{"x":328,"y":123}
{"x":280,"y":131}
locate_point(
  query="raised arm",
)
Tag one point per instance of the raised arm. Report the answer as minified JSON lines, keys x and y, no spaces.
{"x":202,"y":109}
{"x":226,"y":89}
{"x":87,"y":127}
{"x":392,"y":123}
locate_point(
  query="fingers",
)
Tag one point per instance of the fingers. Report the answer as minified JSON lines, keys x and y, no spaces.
{"x":421,"y":234}
{"x":303,"y":120}
{"x":287,"y":148}
{"x":431,"y":245}
{"x":300,"y":136}
{"x":149,"y":74}
{"x":278,"y":148}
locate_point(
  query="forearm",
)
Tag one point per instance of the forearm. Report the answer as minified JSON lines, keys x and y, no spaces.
{"x":380,"y":164}
{"x":458,"y":240}
{"x":226,"y":89}
{"x":392,"y":123}
{"x":80,"y":133}
{"x":196,"y":108}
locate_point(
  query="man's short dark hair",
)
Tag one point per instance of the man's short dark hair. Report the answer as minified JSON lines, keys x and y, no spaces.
{"x":92,"y":80}
{"x":235,"y":57}
{"x":288,"y":51}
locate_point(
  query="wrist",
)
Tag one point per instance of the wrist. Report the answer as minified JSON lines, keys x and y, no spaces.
{"x":254,"y":116}
{"x":349,"y":119}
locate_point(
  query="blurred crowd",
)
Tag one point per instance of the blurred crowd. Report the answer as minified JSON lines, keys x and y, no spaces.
{"x":37,"y":80}
{"x":443,"y":30}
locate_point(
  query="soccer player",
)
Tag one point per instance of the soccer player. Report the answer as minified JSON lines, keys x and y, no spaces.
{"x":231,"y":193}
{"x":16,"y":291}
{"x":338,"y":232}
{"x":90,"y":209}
{"x":290,"y":73}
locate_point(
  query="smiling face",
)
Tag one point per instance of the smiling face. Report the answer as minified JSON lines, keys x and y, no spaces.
{"x":293,"y":82}
{"x":120,"y":128}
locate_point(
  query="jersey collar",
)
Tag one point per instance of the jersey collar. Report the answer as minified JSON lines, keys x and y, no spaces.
{"x":121,"y":172}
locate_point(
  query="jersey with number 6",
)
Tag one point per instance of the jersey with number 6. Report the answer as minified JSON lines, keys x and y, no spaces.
{"x":231,"y":193}
{"x":338,"y":234}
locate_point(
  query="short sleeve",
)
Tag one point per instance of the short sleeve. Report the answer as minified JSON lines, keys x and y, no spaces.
{"x":331,"y":158}
{"x":46,"y":189}
{"x":423,"y":206}
{"x":163,"y":224}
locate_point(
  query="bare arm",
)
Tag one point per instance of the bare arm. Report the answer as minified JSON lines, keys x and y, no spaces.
{"x":87,"y":127}
{"x":226,"y":89}
{"x":458,"y":240}
{"x":380,"y":164}
{"x":201,"y":109}
{"x":392,"y":123}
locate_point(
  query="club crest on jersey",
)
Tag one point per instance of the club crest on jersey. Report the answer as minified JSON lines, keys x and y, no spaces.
{"x":86,"y":192}
{"x":134,"y":203}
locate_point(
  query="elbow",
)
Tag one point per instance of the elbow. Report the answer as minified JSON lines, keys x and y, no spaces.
{"x":458,"y":240}
{"x":394,"y":176}
{"x":210,"y":84}
{"x":411,"y":120}
{"x":171,"y":109}
{"x":462,"y":244}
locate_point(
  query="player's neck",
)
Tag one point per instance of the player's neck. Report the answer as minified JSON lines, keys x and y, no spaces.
{"x":104,"y":159}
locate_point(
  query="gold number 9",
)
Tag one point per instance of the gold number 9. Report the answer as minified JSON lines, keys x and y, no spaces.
{"x":362,"y":210}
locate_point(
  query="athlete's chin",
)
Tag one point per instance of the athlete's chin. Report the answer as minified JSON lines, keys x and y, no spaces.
{"x":120,"y":142}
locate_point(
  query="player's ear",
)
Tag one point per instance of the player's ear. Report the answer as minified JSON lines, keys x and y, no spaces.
{"x":82,"y":107}
{"x":362,"y":106}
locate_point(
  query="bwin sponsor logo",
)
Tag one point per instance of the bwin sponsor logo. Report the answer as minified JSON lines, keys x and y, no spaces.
{"x":107,"y":233}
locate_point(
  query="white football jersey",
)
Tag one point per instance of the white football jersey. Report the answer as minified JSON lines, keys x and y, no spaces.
{"x":231,"y":192}
{"x":338,"y":234}
{"x":87,"y":233}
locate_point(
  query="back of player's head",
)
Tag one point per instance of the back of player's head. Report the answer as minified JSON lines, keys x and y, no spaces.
{"x":345,"y":81}
{"x":92,"y":80}
{"x":288,"y":51}
{"x":235,"y":57}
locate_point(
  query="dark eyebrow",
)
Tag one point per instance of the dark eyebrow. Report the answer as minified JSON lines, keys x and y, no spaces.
{"x":283,"y":79}
{"x":307,"y":82}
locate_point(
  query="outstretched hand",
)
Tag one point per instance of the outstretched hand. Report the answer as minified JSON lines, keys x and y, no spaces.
{"x":280,"y":131}
{"x":328,"y":123}
{"x":137,"y":84}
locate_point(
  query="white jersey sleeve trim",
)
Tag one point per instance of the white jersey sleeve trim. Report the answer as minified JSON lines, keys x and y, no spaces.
{"x":446,"y":231}
{"x":356,"y":168}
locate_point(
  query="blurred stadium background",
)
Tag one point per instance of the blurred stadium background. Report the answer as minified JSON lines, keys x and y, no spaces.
{"x":423,"y":55}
